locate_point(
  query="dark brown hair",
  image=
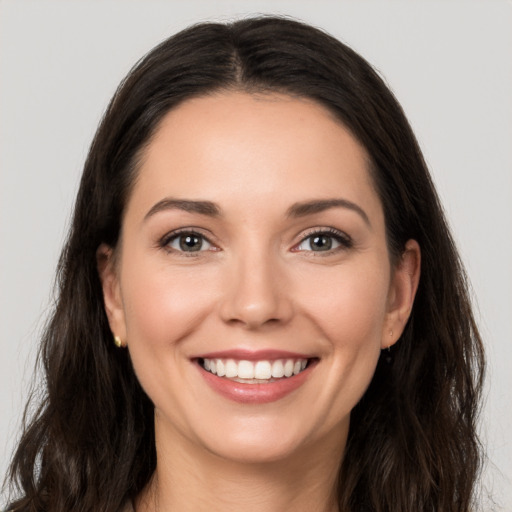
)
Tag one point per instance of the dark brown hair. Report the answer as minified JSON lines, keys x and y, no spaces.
{"x":412,"y":444}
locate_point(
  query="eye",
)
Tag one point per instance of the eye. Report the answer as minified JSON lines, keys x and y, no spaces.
{"x":188,"y":241}
{"x":324,"y":241}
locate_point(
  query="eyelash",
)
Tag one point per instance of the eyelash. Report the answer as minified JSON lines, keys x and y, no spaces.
{"x":174,"y":235}
{"x":344,"y":241}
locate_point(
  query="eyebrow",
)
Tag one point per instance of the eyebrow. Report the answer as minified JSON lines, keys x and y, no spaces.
{"x":317,"y":206}
{"x":301,"y":209}
{"x":187,"y":205}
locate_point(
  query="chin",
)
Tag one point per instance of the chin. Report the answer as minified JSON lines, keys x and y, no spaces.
{"x":256,"y":449}
{"x":269,"y":439}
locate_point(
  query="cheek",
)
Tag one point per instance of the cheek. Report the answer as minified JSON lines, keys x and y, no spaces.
{"x":163,"y":305}
{"x":350,"y":314}
{"x":349,"y":303}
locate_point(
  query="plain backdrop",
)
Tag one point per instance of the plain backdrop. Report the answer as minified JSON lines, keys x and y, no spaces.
{"x":448,"y":62}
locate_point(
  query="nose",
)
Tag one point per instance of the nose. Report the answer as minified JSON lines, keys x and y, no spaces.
{"x":256,"y":293}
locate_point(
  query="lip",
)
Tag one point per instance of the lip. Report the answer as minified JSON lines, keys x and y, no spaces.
{"x":254,"y":355}
{"x":255,"y":393}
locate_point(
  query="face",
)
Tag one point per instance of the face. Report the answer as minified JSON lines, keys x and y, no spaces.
{"x":252,"y":281}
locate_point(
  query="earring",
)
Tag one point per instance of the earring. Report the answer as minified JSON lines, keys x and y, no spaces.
{"x":387,"y":355}
{"x":117,"y":342}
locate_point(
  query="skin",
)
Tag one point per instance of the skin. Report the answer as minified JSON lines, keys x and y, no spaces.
{"x":256,"y":284}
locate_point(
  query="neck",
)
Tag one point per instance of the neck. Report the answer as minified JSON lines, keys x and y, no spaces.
{"x":188,"y":478}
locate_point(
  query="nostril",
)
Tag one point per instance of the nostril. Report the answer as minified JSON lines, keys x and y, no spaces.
{"x":253,"y":321}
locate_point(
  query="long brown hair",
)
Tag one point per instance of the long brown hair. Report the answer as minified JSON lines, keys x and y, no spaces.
{"x":412,"y":443}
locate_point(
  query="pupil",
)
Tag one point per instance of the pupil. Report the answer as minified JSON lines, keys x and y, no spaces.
{"x":190,"y":243}
{"x":321,"y":243}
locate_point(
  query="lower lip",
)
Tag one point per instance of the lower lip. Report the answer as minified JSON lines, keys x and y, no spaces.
{"x":256,"y":393}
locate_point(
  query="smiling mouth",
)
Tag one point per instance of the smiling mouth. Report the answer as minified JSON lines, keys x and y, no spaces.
{"x":255,"y":372}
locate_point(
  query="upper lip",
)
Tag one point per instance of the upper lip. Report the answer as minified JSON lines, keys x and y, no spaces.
{"x":253,"y":355}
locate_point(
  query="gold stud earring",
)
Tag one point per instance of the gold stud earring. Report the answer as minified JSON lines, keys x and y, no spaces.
{"x":117,"y":342}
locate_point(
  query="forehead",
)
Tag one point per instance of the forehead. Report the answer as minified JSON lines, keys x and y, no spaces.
{"x":238,"y":145}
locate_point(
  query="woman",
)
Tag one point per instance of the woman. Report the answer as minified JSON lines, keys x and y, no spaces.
{"x":260,"y":305}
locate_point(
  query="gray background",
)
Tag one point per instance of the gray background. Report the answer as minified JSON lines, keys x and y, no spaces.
{"x":449,"y":63}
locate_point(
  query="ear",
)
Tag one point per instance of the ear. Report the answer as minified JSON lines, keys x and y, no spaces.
{"x":403,"y":287}
{"x":108,"y":273}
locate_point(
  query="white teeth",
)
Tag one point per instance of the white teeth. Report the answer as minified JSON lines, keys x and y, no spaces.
{"x":254,"y":370}
{"x":288,"y":368}
{"x":278,"y":369}
{"x":245,"y":370}
{"x":262,"y":370}
{"x":231,"y":368}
